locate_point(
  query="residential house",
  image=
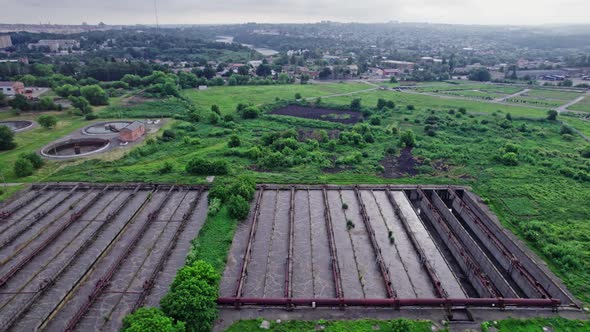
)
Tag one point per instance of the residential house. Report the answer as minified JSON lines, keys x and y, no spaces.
{"x":12,"y":88}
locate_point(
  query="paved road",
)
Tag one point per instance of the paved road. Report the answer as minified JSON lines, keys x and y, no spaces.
{"x":501,"y":99}
{"x":563,"y":108}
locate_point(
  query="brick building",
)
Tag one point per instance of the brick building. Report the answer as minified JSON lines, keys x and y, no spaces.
{"x":12,"y":88}
{"x":132,"y":132}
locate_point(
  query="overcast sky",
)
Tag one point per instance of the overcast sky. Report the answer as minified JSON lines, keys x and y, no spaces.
{"x":295,"y":11}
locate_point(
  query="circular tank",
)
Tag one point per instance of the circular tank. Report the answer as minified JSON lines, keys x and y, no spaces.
{"x":18,"y":125}
{"x":76,"y":147}
{"x":105,"y":128}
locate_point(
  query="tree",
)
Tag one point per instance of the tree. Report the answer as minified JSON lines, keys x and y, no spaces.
{"x":201,"y":166}
{"x":132,"y":80}
{"x":6,"y":139}
{"x":552,"y":115}
{"x":243,"y":70}
{"x":304,"y":78}
{"x":95,"y":95}
{"x":325,"y":73}
{"x":67,"y":90}
{"x":238,"y":207}
{"x":355,"y":104}
{"x":47,"y":104}
{"x":2,"y":99}
{"x":480,"y":74}
{"x":23,"y":167}
{"x":264,"y":70}
{"x":150,"y":320}
{"x":215,"y":109}
{"x":20,"y":102}
{"x":81,"y":103}
{"x":187,"y":80}
{"x":393,"y":79}
{"x":297,"y":96}
{"x":192,"y":296}
{"x":47,"y":121}
{"x":381,"y":103}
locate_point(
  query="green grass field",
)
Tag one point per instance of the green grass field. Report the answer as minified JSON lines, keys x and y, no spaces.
{"x":228,"y":97}
{"x":335,"y":326}
{"x":553,"y":94}
{"x":583,"y":105}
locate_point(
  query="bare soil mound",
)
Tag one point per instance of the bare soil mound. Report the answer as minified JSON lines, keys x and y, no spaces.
{"x":324,"y":114}
{"x":403,"y":165}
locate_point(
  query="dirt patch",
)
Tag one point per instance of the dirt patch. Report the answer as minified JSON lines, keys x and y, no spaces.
{"x":135,"y":100}
{"x":397,"y":167}
{"x":323,"y":114}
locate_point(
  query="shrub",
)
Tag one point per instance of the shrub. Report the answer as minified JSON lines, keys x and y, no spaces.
{"x":355,"y":104}
{"x":462,"y":110}
{"x":508,"y":117}
{"x":34,"y":158}
{"x":23,"y":167}
{"x":201,"y":166}
{"x":509,"y":159}
{"x":566,"y":130}
{"x":411,"y":107}
{"x":234,"y":141}
{"x":6,"y":139}
{"x":511,"y":147}
{"x":192,"y":296}
{"x":168,"y":135}
{"x":407,"y":139}
{"x":298,"y":96}
{"x":150,"y":320}
{"x":552,"y":115}
{"x":251,"y":112}
{"x":344,"y":206}
{"x":214,"y":207}
{"x":91,"y":116}
{"x":215,"y":109}
{"x":238,"y":207}
{"x":375,"y":121}
{"x":47,"y":121}
{"x":213,"y":118}
{"x":166,"y":168}
{"x":585,"y":152}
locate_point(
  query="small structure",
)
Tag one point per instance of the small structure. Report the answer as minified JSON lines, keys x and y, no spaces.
{"x":12,"y":88}
{"x":132,"y":132}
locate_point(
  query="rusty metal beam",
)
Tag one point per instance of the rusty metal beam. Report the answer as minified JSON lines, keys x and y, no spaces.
{"x":395,"y":302}
{"x":7,"y":213}
{"x":289,"y":264}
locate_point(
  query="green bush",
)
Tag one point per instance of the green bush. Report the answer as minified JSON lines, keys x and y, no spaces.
{"x":34,"y":158}
{"x":192,"y":297}
{"x":201,"y":166}
{"x":6,"y":139}
{"x":47,"y":121}
{"x":234,"y":141}
{"x":23,"y":167}
{"x":509,"y":159}
{"x":150,"y":320}
{"x":407,"y":138}
{"x":251,"y":112}
{"x":586,"y":152}
{"x":238,"y":207}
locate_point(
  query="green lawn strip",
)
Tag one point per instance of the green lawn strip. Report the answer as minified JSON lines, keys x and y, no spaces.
{"x":582,"y":125}
{"x":583,"y":105}
{"x":214,"y":240}
{"x":362,"y":325}
{"x":436,"y":103}
{"x":537,"y":324}
{"x":553,"y":94}
{"x":228,"y":97}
